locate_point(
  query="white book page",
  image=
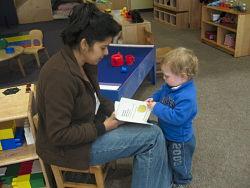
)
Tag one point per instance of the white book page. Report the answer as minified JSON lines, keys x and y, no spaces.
{"x":131,"y":110}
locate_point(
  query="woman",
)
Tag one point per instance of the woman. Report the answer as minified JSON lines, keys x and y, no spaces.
{"x":76,"y":124}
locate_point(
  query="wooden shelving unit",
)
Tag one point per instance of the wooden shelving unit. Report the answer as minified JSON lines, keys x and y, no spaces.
{"x":179,"y":20}
{"x":15,"y":107}
{"x":240,"y":29}
{"x":172,"y":12}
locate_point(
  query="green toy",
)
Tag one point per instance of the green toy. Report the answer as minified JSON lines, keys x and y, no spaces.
{"x":3,"y":43}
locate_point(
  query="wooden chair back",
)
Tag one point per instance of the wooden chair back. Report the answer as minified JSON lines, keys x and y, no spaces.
{"x":36,"y":37}
{"x":33,"y":120}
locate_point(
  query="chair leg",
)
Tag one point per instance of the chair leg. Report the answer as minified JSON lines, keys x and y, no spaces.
{"x":48,"y":174}
{"x":20,"y":66}
{"x":99,"y":178}
{"x":58,"y":176}
{"x":37,"y":60}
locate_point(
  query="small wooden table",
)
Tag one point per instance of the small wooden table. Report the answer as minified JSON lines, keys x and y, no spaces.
{"x":132,"y":33}
{"x":18,"y":51}
{"x":15,"y":107}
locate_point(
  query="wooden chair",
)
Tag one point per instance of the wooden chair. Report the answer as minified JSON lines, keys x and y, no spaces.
{"x":36,"y":37}
{"x":99,"y":171}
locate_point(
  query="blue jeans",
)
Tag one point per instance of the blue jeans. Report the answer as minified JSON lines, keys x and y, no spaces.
{"x":180,"y":159}
{"x":146,"y":144}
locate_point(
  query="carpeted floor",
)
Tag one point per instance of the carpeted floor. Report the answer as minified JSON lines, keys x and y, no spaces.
{"x":222,"y":157}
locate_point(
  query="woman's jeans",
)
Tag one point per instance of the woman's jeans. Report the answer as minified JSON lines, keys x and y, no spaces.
{"x":146,"y":144}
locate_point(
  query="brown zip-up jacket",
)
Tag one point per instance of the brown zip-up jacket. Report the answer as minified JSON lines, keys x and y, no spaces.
{"x":66,"y":107}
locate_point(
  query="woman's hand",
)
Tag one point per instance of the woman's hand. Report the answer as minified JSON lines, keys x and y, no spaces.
{"x":112,"y":123}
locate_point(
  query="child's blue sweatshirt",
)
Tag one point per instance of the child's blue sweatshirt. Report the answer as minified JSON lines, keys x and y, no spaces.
{"x":176,"y":108}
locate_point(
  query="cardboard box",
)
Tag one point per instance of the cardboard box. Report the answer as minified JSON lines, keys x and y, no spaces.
{"x":31,"y":11}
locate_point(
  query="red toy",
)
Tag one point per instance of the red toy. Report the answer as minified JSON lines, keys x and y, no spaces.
{"x":130,"y":59}
{"x":117,"y":60}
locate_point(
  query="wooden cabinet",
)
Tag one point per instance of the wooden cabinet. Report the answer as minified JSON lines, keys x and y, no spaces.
{"x":179,"y":13}
{"x":179,"y":20}
{"x":14,"y":107}
{"x":173,"y":12}
{"x":214,"y":33}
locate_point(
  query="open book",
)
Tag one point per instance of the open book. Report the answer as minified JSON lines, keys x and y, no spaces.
{"x":131,"y":110}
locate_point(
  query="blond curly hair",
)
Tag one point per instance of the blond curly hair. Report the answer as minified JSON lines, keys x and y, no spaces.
{"x":181,"y":61}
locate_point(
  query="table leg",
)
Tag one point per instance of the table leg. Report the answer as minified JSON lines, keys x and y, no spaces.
{"x":152,"y":73}
{"x":20,"y":66}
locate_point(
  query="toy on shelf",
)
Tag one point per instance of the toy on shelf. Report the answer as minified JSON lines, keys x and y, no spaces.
{"x":11,"y":91}
{"x":211,"y":35}
{"x":25,"y":168}
{"x":124,"y":69}
{"x":130,"y":59}
{"x":123,"y":11}
{"x":232,"y":4}
{"x":117,"y":60}
{"x":26,"y":174}
{"x":3,"y":43}
{"x":9,"y":50}
{"x":13,"y":143}
{"x":107,"y":10}
{"x":7,"y":129}
{"x":230,"y":40}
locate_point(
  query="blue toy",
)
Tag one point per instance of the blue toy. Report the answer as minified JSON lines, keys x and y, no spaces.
{"x":14,"y":142}
{"x":124,"y":69}
{"x":9,"y":50}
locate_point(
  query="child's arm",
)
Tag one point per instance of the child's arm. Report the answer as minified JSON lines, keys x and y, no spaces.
{"x":177,"y":115}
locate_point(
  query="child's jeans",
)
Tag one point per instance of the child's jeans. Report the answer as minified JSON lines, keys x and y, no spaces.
{"x":180,"y":160}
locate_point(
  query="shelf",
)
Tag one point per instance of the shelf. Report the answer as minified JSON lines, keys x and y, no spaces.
{"x":224,"y":26}
{"x":235,"y":35}
{"x":231,"y":11}
{"x":21,"y":154}
{"x":12,"y":107}
{"x":221,"y":47}
{"x":227,"y":48}
{"x":209,"y":41}
{"x":165,"y":6}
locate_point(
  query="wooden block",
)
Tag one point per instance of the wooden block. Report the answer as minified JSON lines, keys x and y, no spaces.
{"x":7,"y":130}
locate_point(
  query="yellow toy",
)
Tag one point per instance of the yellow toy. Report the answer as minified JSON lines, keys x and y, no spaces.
{"x":7,"y":130}
{"x":22,"y":181}
{"x":124,"y":11}
{"x":107,"y":10}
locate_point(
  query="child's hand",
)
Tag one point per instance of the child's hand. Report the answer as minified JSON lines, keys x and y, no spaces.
{"x":149,"y":100}
{"x":150,"y":104}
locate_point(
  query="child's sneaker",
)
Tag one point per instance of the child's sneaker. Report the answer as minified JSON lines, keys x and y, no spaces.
{"x":179,"y":186}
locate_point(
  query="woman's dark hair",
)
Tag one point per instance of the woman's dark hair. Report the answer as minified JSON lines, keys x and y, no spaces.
{"x":87,"y":21}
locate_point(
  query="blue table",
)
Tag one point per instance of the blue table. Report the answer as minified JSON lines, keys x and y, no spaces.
{"x":127,"y":83}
